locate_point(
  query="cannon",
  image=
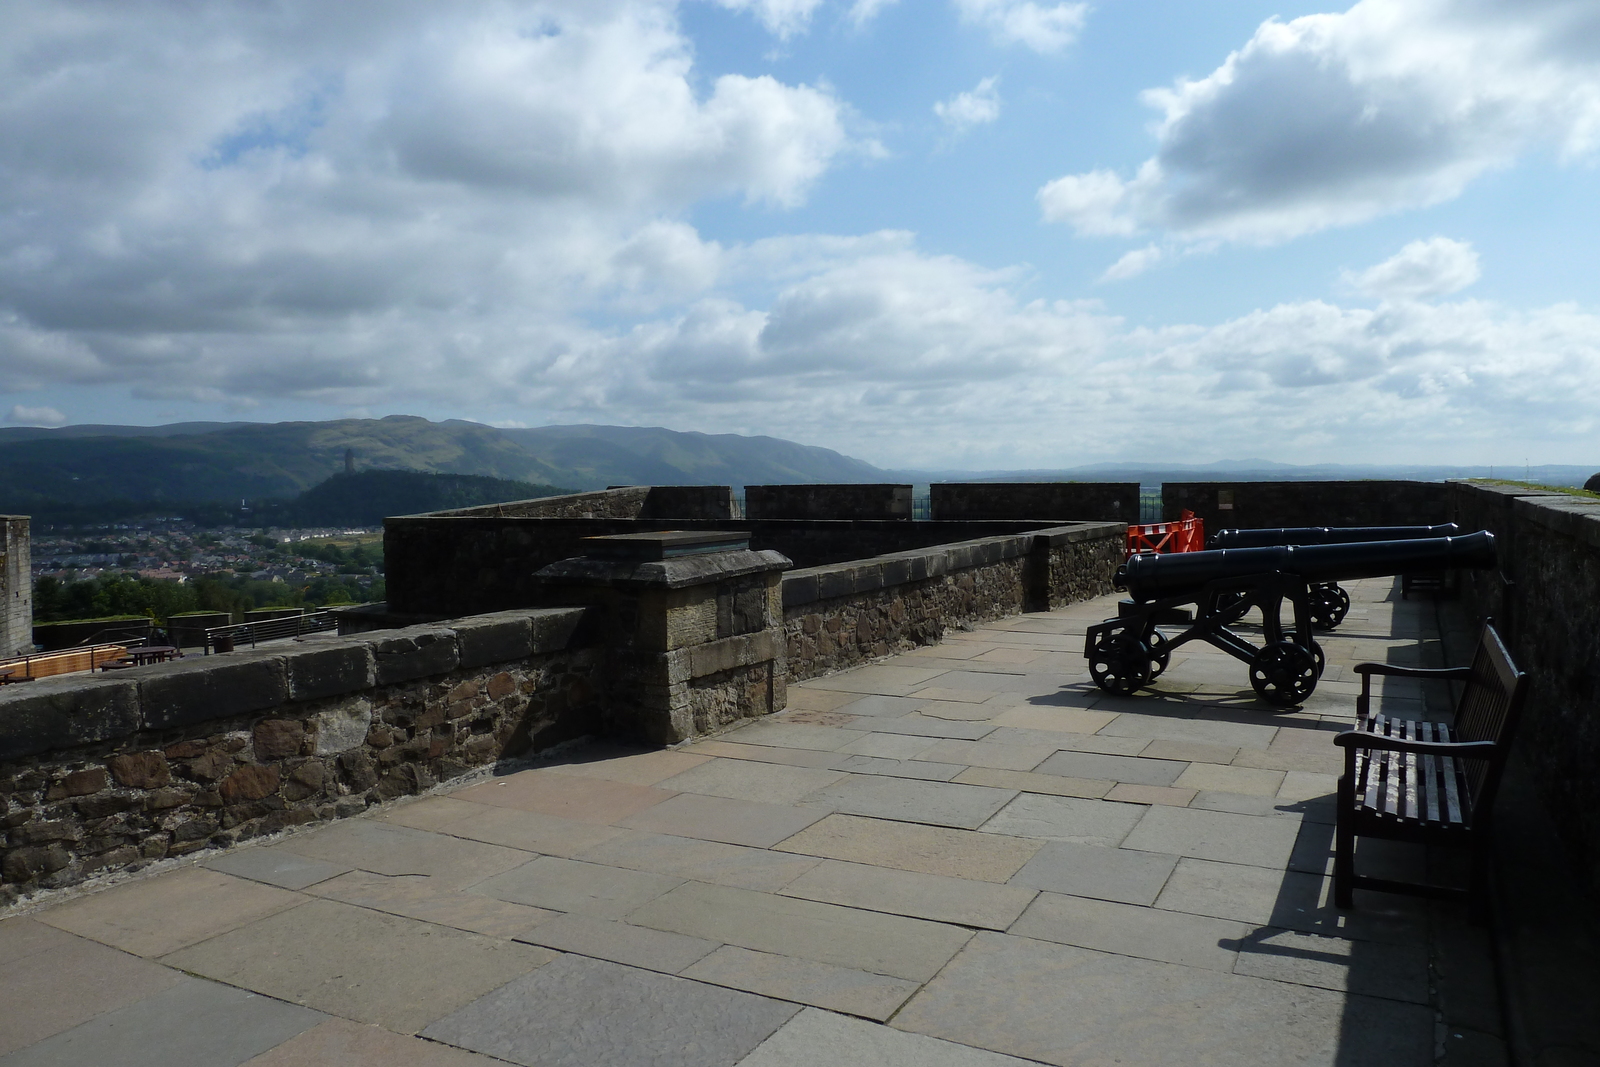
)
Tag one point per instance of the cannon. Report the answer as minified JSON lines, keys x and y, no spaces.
{"x":1128,"y":652}
{"x":1329,"y":603}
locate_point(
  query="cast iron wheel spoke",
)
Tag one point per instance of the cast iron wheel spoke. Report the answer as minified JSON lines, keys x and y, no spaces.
{"x":1284,"y":673}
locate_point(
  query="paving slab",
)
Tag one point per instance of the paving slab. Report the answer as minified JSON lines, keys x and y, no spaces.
{"x":1097,"y":871}
{"x":1070,"y":1006}
{"x":703,"y":861}
{"x":918,"y":725}
{"x":51,"y":981}
{"x":871,"y":996}
{"x":939,"y":694}
{"x":1061,"y":719}
{"x":1175,"y":728}
{"x":429,"y":813}
{"x":641,"y":767}
{"x":1215,"y":835}
{"x":892,"y":707}
{"x":904,"y":768}
{"x":743,"y":780}
{"x":881,"y":679}
{"x":1056,"y":818}
{"x":987,"y":754}
{"x":341,"y":1043}
{"x":608,"y":939}
{"x":1306,"y":785}
{"x":1212,"y":777}
{"x":912,"y":847}
{"x":793,"y":735}
{"x":190,"y":1022}
{"x":965,"y":711}
{"x":530,"y":831}
{"x":890,"y":746}
{"x":584,"y":799}
{"x":803,"y":697}
{"x":735,"y":822}
{"x":1261,"y":896}
{"x":584,"y":1011}
{"x":815,"y":1038}
{"x":1319,"y":809}
{"x":591,"y":889}
{"x":1126,"y":793}
{"x":791,"y":757}
{"x":1114,"y":768}
{"x":862,"y":940}
{"x":274,"y":867}
{"x":1190,"y":752}
{"x":938,"y":897}
{"x":912,"y":800}
{"x":420,"y":897}
{"x":1030,"y":782}
{"x":1132,"y":930}
{"x":1374,"y":968}
{"x":373,"y":846}
{"x":361,"y":964}
{"x":154,"y":916}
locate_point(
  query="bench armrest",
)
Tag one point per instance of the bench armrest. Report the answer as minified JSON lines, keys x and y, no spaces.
{"x":1447,"y":673}
{"x":1367,"y":740}
{"x":1367,"y":670}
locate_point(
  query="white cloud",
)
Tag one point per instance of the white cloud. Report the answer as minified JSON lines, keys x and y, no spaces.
{"x":1043,"y":28}
{"x":784,"y":18}
{"x":1435,"y":267}
{"x":1094,"y":203}
{"x":974,"y":107}
{"x":1334,"y":119}
{"x":40,"y":416}
{"x":1133,"y":263}
{"x":864,"y":11}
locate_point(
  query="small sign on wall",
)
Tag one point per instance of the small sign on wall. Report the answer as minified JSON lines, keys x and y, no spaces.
{"x":1224,"y":499}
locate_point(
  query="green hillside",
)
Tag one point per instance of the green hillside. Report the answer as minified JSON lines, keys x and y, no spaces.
{"x":368,"y":497}
{"x":127,"y":470}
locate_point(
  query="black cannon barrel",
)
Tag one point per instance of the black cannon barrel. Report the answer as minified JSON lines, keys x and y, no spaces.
{"x":1151,"y":577}
{"x":1326,"y":535}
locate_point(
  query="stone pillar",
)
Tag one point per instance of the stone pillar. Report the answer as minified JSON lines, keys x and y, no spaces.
{"x":16,"y":586}
{"x":692,"y":624}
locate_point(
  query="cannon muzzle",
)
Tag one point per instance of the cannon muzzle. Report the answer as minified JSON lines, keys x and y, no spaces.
{"x":1153,"y":577}
{"x":1327,"y":535}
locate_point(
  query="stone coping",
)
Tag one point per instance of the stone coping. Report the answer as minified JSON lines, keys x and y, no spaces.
{"x":1574,"y":516}
{"x":72,"y":710}
{"x":897,"y":568}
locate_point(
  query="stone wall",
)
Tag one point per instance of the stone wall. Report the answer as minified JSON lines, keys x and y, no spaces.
{"x":835,"y":617}
{"x":116,"y":771}
{"x":618,"y":502}
{"x":1546,"y":603}
{"x":16,"y":586}
{"x":827,"y":501}
{"x":1271,"y":505}
{"x":445,"y":566}
{"x":1057,"y":501}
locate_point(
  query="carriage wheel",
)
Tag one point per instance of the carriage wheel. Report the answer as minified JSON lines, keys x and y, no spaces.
{"x":1284,"y":673}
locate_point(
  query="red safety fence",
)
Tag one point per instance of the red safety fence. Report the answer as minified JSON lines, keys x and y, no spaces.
{"x":1188,"y":534}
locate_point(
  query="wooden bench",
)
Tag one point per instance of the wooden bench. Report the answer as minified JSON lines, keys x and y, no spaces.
{"x":1427,"y":782}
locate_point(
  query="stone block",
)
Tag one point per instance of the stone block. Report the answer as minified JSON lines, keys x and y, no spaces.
{"x":553,"y":629}
{"x":342,"y":727}
{"x":57,"y":713}
{"x":77,"y":784}
{"x":318,"y":672}
{"x":140,"y":770}
{"x":211,"y":687}
{"x":250,"y":782}
{"x":498,"y":638}
{"x":714,"y":657}
{"x":276,"y":739}
{"x":415,"y":652}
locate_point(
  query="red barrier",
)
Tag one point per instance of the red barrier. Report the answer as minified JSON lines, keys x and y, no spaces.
{"x":1186,"y":535}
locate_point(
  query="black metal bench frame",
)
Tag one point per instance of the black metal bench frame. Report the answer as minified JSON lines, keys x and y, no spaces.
{"x":1425,"y":782}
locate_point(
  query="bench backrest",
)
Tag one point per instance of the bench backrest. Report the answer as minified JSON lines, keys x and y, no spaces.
{"x":1491,"y":705}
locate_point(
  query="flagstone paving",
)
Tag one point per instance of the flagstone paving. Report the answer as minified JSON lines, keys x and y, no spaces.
{"x":963,"y":856}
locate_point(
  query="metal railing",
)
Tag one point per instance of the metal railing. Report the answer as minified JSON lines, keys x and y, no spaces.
{"x":1149,"y":503}
{"x":227,"y":638}
{"x":60,"y":661}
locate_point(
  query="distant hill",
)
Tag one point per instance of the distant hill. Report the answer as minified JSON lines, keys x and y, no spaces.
{"x":133,"y":467}
{"x":367,"y":497}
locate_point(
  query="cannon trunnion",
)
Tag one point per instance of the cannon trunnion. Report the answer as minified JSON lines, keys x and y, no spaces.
{"x":1129,"y":652}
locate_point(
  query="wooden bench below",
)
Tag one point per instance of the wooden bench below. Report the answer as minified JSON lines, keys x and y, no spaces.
{"x":1426,"y":782}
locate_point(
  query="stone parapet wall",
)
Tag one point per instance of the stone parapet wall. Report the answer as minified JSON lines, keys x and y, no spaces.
{"x":827,"y":501}
{"x":1546,"y":603}
{"x":1272,"y":505}
{"x":837,"y":616}
{"x":1058,"y":501}
{"x":110,"y":772}
{"x":620,"y":502}
{"x":445,"y":566}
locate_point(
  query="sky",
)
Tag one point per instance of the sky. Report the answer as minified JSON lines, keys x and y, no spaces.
{"x":978,"y":234}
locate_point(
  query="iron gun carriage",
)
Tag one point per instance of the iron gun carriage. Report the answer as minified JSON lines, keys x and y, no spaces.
{"x":1128,"y":652}
{"x":1328,"y":602}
